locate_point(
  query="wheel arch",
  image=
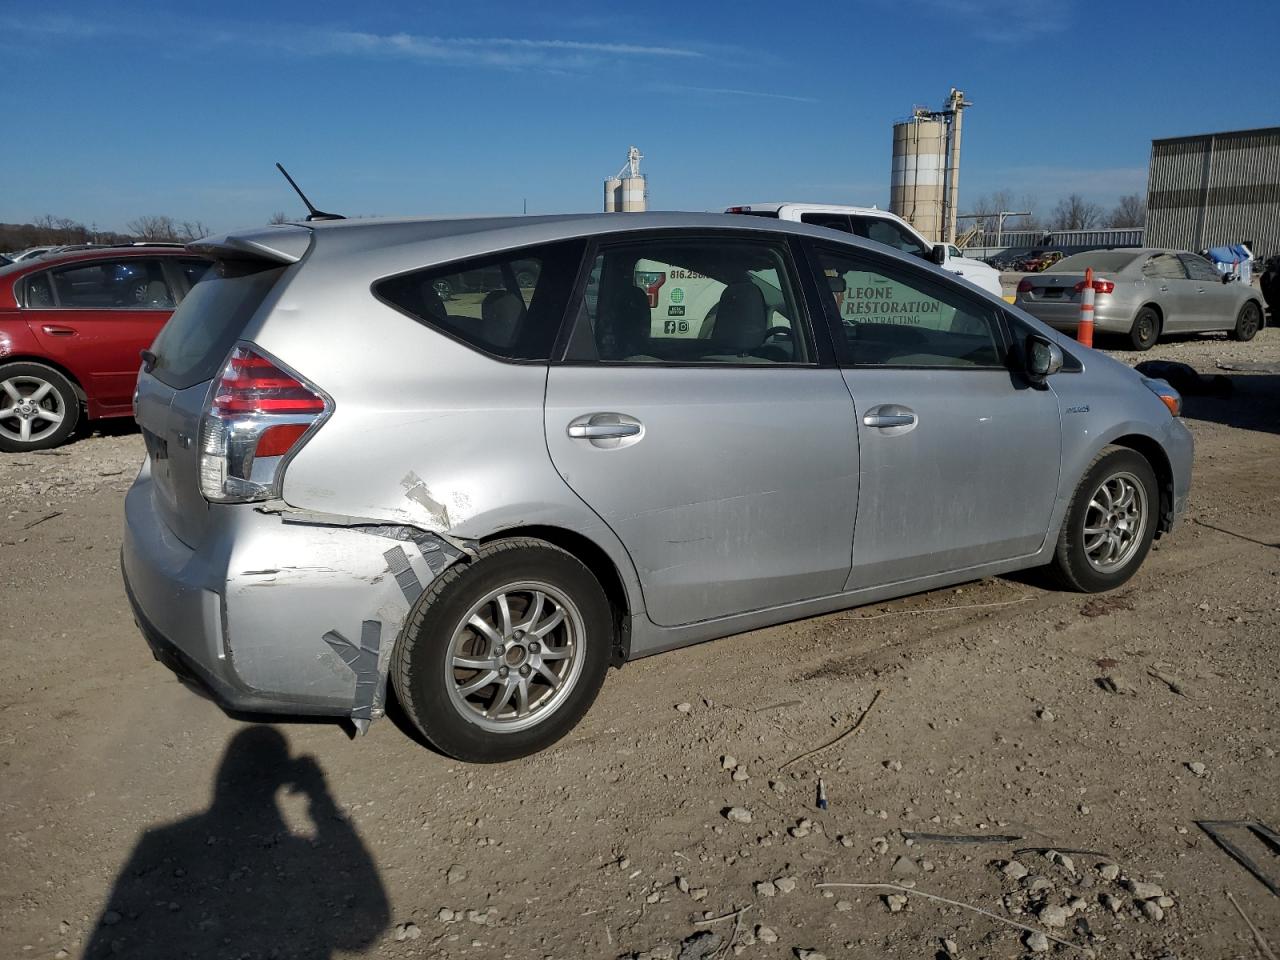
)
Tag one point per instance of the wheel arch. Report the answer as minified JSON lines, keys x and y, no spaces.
{"x":602,"y":566}
{"x":76,"y":385}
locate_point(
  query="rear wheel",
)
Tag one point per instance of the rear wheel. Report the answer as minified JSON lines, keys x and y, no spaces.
{"x":1145,"y":330}
{"x":38,"y":407}
{"x":1110,"y":523}
{"x":1248,"y":323}
{"x":504,"y":655}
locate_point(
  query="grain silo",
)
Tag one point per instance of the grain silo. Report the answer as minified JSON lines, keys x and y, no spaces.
{"x":919,"y":164}
{"x":924,"y":186}
{"x":612,"y":194}
{"x":627,"y":191}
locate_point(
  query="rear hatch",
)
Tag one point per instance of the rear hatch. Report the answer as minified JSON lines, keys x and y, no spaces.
{"x":189,"y":354}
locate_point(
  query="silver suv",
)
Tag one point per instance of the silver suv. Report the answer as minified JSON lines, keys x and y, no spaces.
{"x":487,"y":459}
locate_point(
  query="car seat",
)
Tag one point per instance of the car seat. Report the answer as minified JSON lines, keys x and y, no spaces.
{"x":501,"y":314}
{"x":742,"y":320}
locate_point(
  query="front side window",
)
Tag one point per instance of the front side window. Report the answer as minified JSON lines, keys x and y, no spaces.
{"x":890,"y":316}
{"x":1164,"y":266}
{"x":127,"y":284}
{"x":890,"y":233}
{"x":710,"y":300}
{"x":1198,"y":268}
{"x":510,"y":304}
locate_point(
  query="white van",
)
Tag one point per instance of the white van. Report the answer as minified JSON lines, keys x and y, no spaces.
{"x":882,"y":227}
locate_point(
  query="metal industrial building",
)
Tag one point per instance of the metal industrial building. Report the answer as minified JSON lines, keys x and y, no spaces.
{"x":1216,"y":189}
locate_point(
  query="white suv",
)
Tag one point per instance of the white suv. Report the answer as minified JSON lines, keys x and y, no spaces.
{"x":882,"y":227}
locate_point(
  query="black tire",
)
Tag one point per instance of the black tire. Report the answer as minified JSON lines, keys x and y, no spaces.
{"x":429,"y":693}
{"x":29,"y":379}
{"x":1071,"y":562}
{"x":1145,"y":330}
{"x":1248,"y":323}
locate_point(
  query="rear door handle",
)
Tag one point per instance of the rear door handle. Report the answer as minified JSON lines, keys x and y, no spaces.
{"x":54,"y":330}
{"x":606,"y":430}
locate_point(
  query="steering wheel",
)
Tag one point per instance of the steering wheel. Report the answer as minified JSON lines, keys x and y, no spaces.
{"x":783,"y":332}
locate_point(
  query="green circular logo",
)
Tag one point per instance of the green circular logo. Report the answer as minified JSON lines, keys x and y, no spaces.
{"x":677,"y":295}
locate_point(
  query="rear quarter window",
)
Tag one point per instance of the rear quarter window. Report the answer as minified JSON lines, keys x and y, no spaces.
{"x":510,"y":305}
{"x":193,"y":345}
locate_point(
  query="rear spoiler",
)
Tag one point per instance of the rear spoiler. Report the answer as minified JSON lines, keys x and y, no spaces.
{"x":284,"y":243}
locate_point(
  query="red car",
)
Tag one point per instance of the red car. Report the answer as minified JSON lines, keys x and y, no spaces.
{"x":72,"y":327}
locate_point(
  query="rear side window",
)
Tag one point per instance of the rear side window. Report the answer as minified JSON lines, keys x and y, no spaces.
{"x":832,"y":221}
{"x":193,"y":345}
{"x":126,"y":284}
{"x":510,"y":305}
{"x":1164,"y":266}
{"x":891,"y":234}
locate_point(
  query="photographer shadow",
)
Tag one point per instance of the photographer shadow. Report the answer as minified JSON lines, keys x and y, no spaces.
{"x":235,"y":881}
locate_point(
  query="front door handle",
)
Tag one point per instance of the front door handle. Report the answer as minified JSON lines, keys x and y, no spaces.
{"x":603,"y":431}
{"x":890,"y":416}
{"x":54,"y":330}
{"x":607,"y":431}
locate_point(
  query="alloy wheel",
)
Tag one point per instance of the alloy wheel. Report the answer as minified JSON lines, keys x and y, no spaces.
{"x":1114,"y":522}
{"x":515,"y":656}
{"x":30,"y":408}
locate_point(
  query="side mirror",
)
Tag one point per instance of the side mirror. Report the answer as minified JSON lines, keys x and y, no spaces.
{"x":939,"y":254}
{"x":1044,"y":358}
{"x":1227,"y":278}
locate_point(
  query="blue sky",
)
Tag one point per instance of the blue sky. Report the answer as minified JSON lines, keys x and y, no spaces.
{"x":122,"y":109}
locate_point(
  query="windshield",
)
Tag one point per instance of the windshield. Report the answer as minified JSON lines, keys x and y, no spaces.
{"x":1106,"y":261}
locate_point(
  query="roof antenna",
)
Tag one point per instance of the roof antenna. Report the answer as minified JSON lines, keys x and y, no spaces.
{"x":314,"y":214}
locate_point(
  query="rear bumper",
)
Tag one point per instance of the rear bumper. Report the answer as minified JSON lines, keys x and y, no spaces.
{"x":1065,"y":316}
{"x":273,"y":616}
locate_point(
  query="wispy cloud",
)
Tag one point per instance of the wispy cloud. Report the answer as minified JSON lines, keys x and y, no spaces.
{"x":730,"y":92}
{"x":990,"y":20}
{"x":490,"y":51}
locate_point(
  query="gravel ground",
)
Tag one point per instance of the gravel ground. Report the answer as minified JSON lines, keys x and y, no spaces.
{"x":135,"y":810}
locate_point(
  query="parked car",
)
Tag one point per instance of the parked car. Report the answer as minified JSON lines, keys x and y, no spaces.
{"x":488,"y":503}
{"x":29,"y":253}
{"x":71,"y":329}
{"x":1143,"y":293}
{"x":882,"y":227}
{"x":1038,"y":261}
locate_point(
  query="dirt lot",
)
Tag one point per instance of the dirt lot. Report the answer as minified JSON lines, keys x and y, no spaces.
{"x":134,"y":810}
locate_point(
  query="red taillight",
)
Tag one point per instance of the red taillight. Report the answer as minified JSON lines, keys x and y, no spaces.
{"x":253,"y":384}
{"x":258,"y":414}
{"x":1025,"y":285}
{"x":1100,"y":286}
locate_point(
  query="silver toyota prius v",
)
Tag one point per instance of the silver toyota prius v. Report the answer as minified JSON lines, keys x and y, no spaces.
{"x":487,"y":459}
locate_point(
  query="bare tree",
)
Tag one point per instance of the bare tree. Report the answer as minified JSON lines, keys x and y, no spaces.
{"x":279,"y":217}
{"x":154,"y":227}
{"x":1075,"y":213}
{"x":190,"y":230}
{"x":1130,"y":211}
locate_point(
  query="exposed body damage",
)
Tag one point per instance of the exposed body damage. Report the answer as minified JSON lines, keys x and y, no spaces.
{"x":305,"y":622}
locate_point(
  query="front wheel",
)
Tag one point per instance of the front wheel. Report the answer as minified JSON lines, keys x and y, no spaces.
{"x":1110,"y":523}
{"x":38,"y":407}
{"x":1248,"y":322}
{"x":1145,"y":330}
{"x":504,"y":655}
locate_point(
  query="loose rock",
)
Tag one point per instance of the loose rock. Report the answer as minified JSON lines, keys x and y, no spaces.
{"x":766,"y":935}
{"x":684,"y":707}
{"x":445,"y":915}
{"x":765,"y":888}
{"x":905,"y":867}
{"x":1198,"y":768}
{"x":1143,"y":891}
{"x":407,"y":931}
{"x":1108,"y":871}
{"x":456,"y":874}
{"x":1052,"y":915}
{"x":1152,"y":910}
{"x":895,"y":902}
{"x":843,"y":906}
{"x":785,"y":884}
{"x":1014,"y":869}
{"x":1036,"y":942}
{"x":738,"y":815}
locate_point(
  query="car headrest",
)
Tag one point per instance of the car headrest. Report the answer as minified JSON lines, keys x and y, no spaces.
{"x":500,"y":314}
{"x":742,"y":317}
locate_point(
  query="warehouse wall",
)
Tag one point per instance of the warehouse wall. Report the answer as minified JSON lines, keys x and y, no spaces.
{"x":1215,"y":189}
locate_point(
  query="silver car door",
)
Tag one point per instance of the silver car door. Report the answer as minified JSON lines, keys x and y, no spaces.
{"x":1214,"y":304}
{"x":709,"y":438}
{"x":959,"y":457}
{"x":1172,"y":290}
